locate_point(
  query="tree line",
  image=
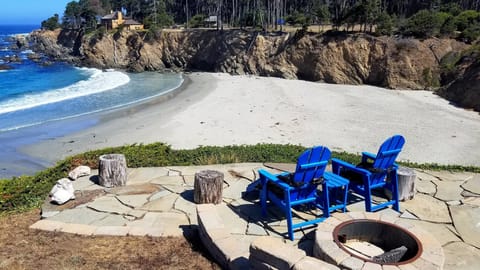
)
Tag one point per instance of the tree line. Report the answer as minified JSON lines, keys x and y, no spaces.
{"x":420,"y":18}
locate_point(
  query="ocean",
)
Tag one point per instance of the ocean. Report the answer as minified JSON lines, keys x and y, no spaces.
{"x":34,"y":94}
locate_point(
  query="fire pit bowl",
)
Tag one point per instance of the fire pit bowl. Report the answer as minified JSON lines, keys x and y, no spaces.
{"x":377,"y":241}
{"x":358,"y":240}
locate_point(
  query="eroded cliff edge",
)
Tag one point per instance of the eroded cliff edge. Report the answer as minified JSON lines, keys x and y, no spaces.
{"x":397,"y":63}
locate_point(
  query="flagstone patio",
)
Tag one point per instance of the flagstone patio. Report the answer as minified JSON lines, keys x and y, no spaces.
{"x":159,"y":202}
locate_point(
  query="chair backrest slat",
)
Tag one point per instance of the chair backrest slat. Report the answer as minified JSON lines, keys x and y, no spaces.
{"x":314,"y":164}
{"x":386,"y":156}
{"x":311,"y":164}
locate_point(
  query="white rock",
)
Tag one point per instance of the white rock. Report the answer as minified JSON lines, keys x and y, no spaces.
{"x":79,"y":172}
{"x":62,"y":191}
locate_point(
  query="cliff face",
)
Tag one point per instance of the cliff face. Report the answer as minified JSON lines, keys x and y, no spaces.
{"x":463,"y":82}
{"x":347,"y":59}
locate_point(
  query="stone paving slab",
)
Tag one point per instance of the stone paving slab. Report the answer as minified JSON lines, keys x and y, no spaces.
{"x":449,"y":190}
{"x":168,"y":180}
{"x":110,"y":220}
{"x":461,"y":256}
{"x":109,"y":204}
{"x":427,"y":208}
{"x":144,"y":175}
{"x":134,"y":201}
{"x":452,"y":176}
{"x":162,"y":204}
{"x":78,"y":216}
{"x":467,"y":222}
{"x":145,"y":208}
{"x":473,"y":185}
{"x":426,"y":186}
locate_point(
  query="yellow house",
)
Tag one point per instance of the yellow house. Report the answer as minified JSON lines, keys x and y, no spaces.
{"x":132,"y":25}
{"x":116,"y":19}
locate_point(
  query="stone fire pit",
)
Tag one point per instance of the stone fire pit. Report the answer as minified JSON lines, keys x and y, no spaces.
{"x":358,"y":240}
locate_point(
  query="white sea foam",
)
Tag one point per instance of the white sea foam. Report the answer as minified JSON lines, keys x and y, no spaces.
{"x":98,"y":82}
{"x":27,"y":52}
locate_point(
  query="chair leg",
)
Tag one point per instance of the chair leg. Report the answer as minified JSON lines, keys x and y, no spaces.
{"x":368,"y":199}
{"x":345,"y":195}
{"x":289,"y":223}
{"x":396,"y":204}
{"x":326,"y":200}
{"x":263,"y":199}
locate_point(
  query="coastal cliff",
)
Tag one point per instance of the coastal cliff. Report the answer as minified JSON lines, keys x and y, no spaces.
{"x":397,"y":63}
{"x":341,"y":58}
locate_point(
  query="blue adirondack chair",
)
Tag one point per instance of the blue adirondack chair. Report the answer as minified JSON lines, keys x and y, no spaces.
{"x":372,"y":173}
{"x":299,"y":188}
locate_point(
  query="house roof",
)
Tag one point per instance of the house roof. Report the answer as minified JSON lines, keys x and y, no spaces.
{"x":111,"y":16}
{"x":131,"y":22}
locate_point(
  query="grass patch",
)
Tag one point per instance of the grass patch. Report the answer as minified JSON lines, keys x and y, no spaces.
{"x":27,"y":192}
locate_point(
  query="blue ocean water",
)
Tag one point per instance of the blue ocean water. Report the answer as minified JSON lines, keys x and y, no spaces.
{"x":32,"y":93}
{"x":37,"y":101}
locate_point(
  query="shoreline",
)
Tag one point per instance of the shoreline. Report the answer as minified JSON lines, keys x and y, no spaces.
{"x":220,"y":109}
{"x":14,"y":161}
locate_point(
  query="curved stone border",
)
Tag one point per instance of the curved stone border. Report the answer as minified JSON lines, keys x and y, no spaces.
{"x":326,"y":249}
{"x":268,"y":252}
{"x":234,"y":251}
{"x":229,"y":250}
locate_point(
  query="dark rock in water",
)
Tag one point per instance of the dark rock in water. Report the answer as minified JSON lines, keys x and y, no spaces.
{"x":34,"y":57}
{"x":46,"y":63}
{"x":5,"y":67}
{"x":21,"y":42}
{"x":12,"y":59}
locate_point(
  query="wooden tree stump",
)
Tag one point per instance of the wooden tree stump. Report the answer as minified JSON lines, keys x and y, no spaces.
{"x":406,"y":184}
{"x":208,"y":187}
{"x":112,"y":170}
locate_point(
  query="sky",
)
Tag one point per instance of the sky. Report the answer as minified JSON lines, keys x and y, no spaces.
{"x":30,"y":11}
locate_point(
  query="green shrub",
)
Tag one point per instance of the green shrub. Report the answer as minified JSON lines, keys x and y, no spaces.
{"x":448,"y":27}
{"x":424,"y":24}
{"x":471,"y":33}
{"x":51,"y":23}
{"x":449,"y":61}
{"x":384,"y":24}
{"x":430,"y":78}
{"x":466,"y":19}
{"x":298,"y":18}
{"x":197,"y":21}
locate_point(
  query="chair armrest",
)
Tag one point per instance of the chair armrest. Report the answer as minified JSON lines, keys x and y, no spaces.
{"x":366,"y":156}
{"x":273,"y":179}
{"x":338,"y":164}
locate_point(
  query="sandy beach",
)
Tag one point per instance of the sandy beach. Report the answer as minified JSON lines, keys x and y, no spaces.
{"x":220,"y":109}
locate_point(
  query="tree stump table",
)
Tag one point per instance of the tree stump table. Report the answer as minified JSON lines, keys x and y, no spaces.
{"x":208,"y":187}
{"x":112,"y":170}
{"x":406,"y":184}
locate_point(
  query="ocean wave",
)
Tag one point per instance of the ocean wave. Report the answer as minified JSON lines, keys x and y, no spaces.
{"x":98,"y":82}
{"x":123,"y":105}
{"x":19,"y":35}
{"x":27,"y":52}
